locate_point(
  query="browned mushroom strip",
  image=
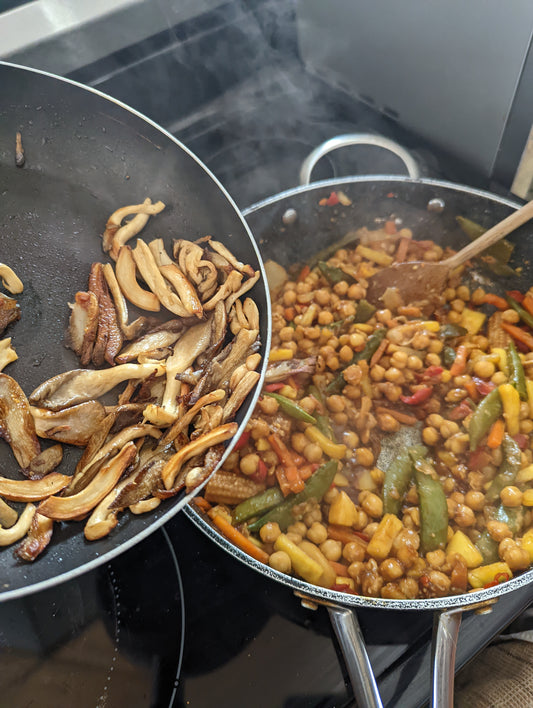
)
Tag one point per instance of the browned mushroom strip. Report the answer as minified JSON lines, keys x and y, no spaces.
{"x":194,"y":472}
{"x":10,"y":280}
{"x":20,"y":529}
{"x":28,"y":490}
{"x":9,"y":311}
{"x":140,"y":485}
{"x":228,"y":255}
{"x":116,"y":218}
{"x":16,"y":422}
{"x":7,"y":353}
{"x":109,"y":337}
{"x":196,"y":447}
{"x":45,"y":462}
{"x":175,"y":276}
{"x":145,"y":505}
{"x":37,"y":539}
{"x":8,"y":516}
{"x":237,"y":397}
{"x":83,"y":325}
{"x":184,"y":421}
{"x":64,"y":508}
{"x":219,"y":327}
{"x":129,"y":330}
{"x":126,"y":272}
{"x":230,"y":286}
{"x":147,"y":266}
{"x":280,"y":370}
{"x":247,"y":285}
{"x":80,"y":385}
{"x":74,"y":425}
{"x":103,"y":519}
{"x":164,"y":336}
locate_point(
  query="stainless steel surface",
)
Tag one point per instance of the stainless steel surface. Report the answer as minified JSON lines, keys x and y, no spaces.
{"x":445,"y":644}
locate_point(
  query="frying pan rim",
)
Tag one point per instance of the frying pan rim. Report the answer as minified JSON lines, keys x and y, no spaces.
{"x":324,"y":594}
{"x":17,"y":593}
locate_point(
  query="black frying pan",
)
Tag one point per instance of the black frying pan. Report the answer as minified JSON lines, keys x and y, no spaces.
{"x":86,"y":155}
{"x":291,"y":228}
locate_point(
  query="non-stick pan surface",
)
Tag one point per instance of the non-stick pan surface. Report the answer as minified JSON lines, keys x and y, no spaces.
{"x":86,"y":155}
{"x":430,"y":209}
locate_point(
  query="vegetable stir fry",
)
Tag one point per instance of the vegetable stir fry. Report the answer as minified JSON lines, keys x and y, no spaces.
{"x":310,"y":488}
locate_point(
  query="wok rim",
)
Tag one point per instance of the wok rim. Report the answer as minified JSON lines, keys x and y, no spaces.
{"x":332,"y":596}
{"x":19,"y":592}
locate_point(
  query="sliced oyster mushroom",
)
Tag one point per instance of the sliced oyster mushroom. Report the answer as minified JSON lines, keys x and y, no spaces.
{"x":83,"y":325}
{"x":16,"y":422}
{"x":196,"y":447}
{"x":9,"y":311}
{"x":247,"y":285}
{"x":18,"y":530}
{"x":8,"y":516}
{"x":63,"y":508}
{"x":80,"y":385}
{"x":129,"y":330}
{"x":237,"y":397}
{"x":10,"y":280}
{"x":126,"y":272}
{"x":73,"y":426}
{"x":219,"y":327}
{"x":109,"y":339}
{"x":175,"y":276}
{"x":46,"y":461}
{"x":37,"y":539}
{"x":113,"y":229}
{"x":145,"y":505}
{"x":29,"y":490}
{"x":7,"y":353}
{"x":280,"y":370}
{"x":142,"y":484}
{"x":228,"y":255}
{"x":230,"y":286}
{"x":148,"y":269}
{"x":194,"y":472}
{"x":165,"y":335}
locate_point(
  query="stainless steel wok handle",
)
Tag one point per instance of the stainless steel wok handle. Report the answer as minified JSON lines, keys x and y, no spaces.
{"x":355,"y":655}
{"x":356,"y":139}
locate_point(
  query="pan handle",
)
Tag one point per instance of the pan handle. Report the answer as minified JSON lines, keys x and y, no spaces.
{"x":445,"y":634}
{"x":356,"y":139}
{"x":355,"y":655}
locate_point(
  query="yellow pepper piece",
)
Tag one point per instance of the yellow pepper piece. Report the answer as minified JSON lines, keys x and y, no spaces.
{"x":327,"y":579}
{"x":262,"y":445}
{"x":527,"y":543}
{"x":376,"y":256}
{"x":485,"y":574}
{"x":502,"y":359}
{"x":366,"y":270}
{"x":529,"y":387}
{"x":335,"y":450}
{"x":342,"y":511}
{"x":510,"y":399}
{"x":362,"y":327}
{"x":289,"y":392}
{"x":280,"y":354}
{"x":461,"y":544}
{"x":430,"y":325}
{"x":472,"y":320}
{"x":527,"y":497}
{"x":381,"y":542}
{"x":302,"y":564}
{"x":525,"y":475}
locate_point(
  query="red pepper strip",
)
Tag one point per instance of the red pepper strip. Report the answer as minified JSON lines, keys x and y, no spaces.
{"x":432,"y":374}
{"x":496,"y":300}
{"x":333,"y":199}
{"x":459,"y":365}
{"x":483,"y":387}
{"x":516,"y":295}
{"x":261,"y":473}
{"x":241,"y":442}
{"x":273,"y":387}
{"x":343,"y":588}
{"x":294,"y":480}
{"x":419,"y":396}
{"x":460,"y":411}
{"x":498,"y":578}
{"x":518,"y":334}
{"x":304,"y":273}
{"x":521,"y":440}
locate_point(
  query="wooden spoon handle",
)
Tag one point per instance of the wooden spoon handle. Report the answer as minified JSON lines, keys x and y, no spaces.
{"x":493,"y":235}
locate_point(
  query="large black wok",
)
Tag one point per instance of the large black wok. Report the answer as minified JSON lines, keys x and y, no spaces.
{"x":290,"y":238}
{"x":86,"y":155}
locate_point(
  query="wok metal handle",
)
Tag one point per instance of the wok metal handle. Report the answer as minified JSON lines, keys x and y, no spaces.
{"x":355,"y":655}
{"x":356,"y":139}
{"x":446,"y":632}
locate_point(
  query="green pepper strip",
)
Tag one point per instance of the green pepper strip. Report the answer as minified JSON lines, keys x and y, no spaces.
{"x":524,"y":314}
{"x":451,"y":330}
{"x":448,"y":356}
{"x":488,"y":548}
{"x":364,"y":311}
{"x":333,"y":274}
{"x":342,"y":323}
{"x":501,"y":251}
{"x":372,"y":343}
{"x":323,"y":423}
{"x":508,"y":469}
{"x":516,"y":372}
{"x":291,"y":408}
{"x":397,"y":479}
{"x":433,"y":508}
{"x":316,"y":486}
{"x":487,"y":412}
{"x":258,"y":504}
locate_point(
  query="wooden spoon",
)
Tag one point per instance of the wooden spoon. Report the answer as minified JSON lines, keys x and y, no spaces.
{"x":419,"y":280}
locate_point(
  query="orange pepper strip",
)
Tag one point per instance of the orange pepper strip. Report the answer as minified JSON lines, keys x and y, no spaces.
{"x":518,"y":334}
{"x":404,"y":418}
{"x":295,"y":482}
{"x":471,"y":390}
{"x":527,"y":304}
{"x":389,"y":228}
{"x":239,"y":539}
{"x":344,"y":535}
{"x":379,"y":352}
{"x":496,"y":300}
{"x":459,"y":365}
{"x":202,"y":504}
{"x":339,"y":568}
{"x":304,"y":273}
{"x":496,"y":434}
{"x":401,"y":253}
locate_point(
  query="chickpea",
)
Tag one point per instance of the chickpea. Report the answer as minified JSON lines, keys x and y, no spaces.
{"x":498,"y":378}
{"x":356,"y":570}
{"x":433,"y":359}
{"x":357,"y":340}
{"x":420,"y":341}
{"x":414,"y":363}
{"x":318,"y":533}
{"x":249,"y":463}
{"x":436,"y":346}
{"x":484,"y":368}
{"x":364,"y":456}
{"x":289,"y":298}
{"x":377,"y":373}
{"x":478,"y":296}
{"x":510,"y":552}
{"x":464,"y":516}
{"x":331,"y":549}
{"x":391,"y":569}
{"x":268,"y":405}
{"x":510,"y":316}
{"x":294,"y":537}
{"x":392,"y":591}
{"x":371,"y":583}
{"x":394,"y":375}
{"x":399,"y":359}
{"x":383,"y":316}
{"x":355,"y":292}
{"x":463,"y":292}
{"x":232,"y":461}
{"x":353,"y":552}
{"x":430,"y":436}
{"x":335,"y":403}
{"x":457,"y":305}
{"x":449,"y":294}
{"x":370,"y":529}
{"x":345,"y":353}
{"x":279,"y":560}
{"x":297,"y":527}
{"x":454,"y":317}
{"x":448,"y":428}
{"x":331,"y":495}
{"x":269,"y":532}
{"x":372,"y":505}
{"x":409,"y":587}
{"x":332,"y":363}
{"x":360,"y":520}
{"x":475,"y":500}
{"x":511,"y":496}
{"x":498,"y":530}
{"x":441,"y":583}
{"x":387,"y":423}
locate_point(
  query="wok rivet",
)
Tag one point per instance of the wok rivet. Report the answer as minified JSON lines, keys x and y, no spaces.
{"x":290,"y":216}
{"x":308,"y":604}
{"x":484,"y":610}
{"x":436,"y":205}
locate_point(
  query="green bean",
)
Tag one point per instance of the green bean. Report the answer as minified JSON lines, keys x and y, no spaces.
{"x":333,"y":274}
{"x":372,"y":343}
{"x":432,"y":506}
{"x":516,"y":371}
{"x":517,"y":307}
{"x":487,"y":412}
{"x":508,"y":469}
{"x":258,"y":504}
{"x":501,"y":251}
{"x":397,"y":479}
{"x":291,"y":408}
